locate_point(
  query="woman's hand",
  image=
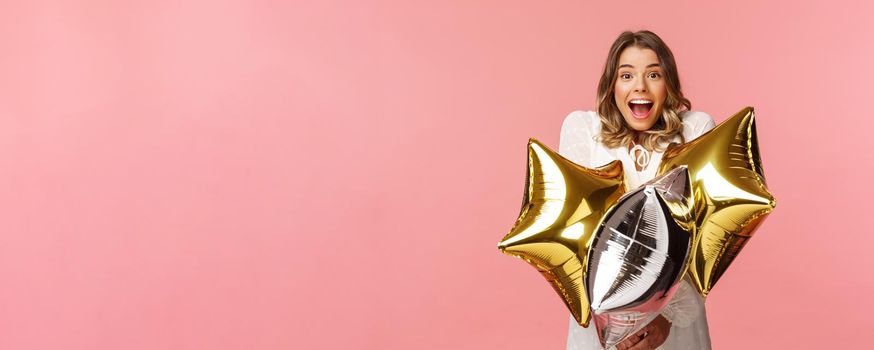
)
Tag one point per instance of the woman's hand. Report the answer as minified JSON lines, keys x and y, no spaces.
{"x":656,"y":332}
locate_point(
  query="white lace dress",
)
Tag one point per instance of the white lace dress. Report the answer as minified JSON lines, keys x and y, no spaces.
{"x":686,"y":310}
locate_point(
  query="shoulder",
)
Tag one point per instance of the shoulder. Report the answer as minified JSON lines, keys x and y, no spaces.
{"x":696,"y":123}
{"x":581,"y":121}
{"x":577,"y":140}
{"x":696,"y":118}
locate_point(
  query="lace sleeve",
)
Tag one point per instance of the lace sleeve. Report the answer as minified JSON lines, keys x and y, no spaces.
{"x":683,"y":308}
{"x":705,"y":125}
{"x":575,"y":141}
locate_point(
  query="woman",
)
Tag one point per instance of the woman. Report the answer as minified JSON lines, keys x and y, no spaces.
{"x":640,"y":111}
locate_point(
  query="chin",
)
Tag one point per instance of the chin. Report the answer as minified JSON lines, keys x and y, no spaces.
{"x":638,"y":124}
{"x":639,"y":128}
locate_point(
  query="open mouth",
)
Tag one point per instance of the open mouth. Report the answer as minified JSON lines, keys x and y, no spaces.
{"x":640,"y":108}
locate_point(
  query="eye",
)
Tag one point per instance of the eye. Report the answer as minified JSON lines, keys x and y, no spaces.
{"x":625,"y":75}
{"x":654,"y":75}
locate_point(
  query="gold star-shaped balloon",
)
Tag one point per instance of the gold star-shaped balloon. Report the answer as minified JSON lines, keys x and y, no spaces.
{"x":731,"y":197}
{"x":562,"y":206}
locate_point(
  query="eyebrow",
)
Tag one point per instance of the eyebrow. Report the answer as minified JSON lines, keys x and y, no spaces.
{"x":630,"y":66}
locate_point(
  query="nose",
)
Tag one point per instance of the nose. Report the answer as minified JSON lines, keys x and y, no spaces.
{"x":640,"y":85}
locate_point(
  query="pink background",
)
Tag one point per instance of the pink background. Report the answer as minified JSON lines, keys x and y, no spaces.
{"x":325,"y":174}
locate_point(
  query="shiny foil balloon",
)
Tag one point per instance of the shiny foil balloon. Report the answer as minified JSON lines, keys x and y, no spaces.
{"x":639,"y":254}
{"x":731,"y":197}
{"x":562,"y":206}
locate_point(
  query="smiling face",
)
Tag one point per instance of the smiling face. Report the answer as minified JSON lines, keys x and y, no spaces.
{"x":640,"y":89}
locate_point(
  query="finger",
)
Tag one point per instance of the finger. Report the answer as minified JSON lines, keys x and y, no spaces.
{"x":646,"y":329}
{"x":624,"y":345}
{"x":644,"y":344}
{"x":628,"y":342}
{"x":651,"y":341}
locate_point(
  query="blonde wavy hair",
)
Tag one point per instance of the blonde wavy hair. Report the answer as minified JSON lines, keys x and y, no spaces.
{"x":615,"y":131}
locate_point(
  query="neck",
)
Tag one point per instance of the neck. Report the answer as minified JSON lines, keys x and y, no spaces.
{"x":636,"y":137}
